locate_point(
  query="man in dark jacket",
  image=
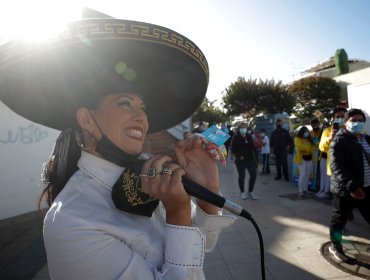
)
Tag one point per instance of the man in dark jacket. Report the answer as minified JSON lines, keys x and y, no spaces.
{"x":279,"y":143}
{"x":350,"y":179}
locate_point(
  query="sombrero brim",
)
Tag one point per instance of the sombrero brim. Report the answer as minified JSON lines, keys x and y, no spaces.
{"x":47,"y":82}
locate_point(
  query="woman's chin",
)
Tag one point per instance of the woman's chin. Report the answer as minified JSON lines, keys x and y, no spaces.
{"x":133,"y":149}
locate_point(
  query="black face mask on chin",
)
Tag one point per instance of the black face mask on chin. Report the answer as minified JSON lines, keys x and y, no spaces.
{"x":112,"y":153}
{"x":127,"y":192}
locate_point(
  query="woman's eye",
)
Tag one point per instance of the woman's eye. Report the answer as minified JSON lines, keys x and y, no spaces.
{"x":124,"y":103}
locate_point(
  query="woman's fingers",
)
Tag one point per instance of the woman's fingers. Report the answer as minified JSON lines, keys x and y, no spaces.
{"x":193,"y":141}
{"x":160,"y":177}
{"x":151,"y":169}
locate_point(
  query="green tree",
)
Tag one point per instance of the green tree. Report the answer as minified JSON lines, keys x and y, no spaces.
{"x":241,"y":97}
{"x":251,"y":98}
{"x":315,"y":93}
{"x":209,"y":113}
{"x":275,"y":98}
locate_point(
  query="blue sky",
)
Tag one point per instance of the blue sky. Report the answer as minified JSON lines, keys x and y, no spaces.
{"x":267,"y":39}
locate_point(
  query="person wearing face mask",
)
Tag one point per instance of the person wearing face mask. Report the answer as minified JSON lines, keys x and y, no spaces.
{"x":246,"y":157}
{"x":350,"y":179}
{"x":265,"y":152}
{"x":315,"y":134}
{"x":329,"y":133}
{"x":280,"y":144}
{"x":304,"y":153}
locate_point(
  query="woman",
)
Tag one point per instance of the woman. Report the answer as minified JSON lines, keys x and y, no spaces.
{"x":245,"y":158}
{"x":304,"y":149}
{"x":112,"y":215}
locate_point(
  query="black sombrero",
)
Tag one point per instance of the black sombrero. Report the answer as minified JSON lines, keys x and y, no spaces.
{"x":46,"y":82}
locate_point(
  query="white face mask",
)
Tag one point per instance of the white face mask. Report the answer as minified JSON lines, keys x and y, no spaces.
{"x":262,"y":134}
{"x":243,"y":131}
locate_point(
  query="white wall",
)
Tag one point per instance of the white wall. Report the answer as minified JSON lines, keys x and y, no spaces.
{"x":24,"y":146}
{"x":359,"y":98}
{"x":359,"y":76}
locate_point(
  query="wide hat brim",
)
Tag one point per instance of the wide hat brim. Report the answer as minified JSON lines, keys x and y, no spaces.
{"x":46,"y":82}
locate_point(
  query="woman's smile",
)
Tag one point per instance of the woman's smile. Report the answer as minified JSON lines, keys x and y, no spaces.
{"x":135,"y":133}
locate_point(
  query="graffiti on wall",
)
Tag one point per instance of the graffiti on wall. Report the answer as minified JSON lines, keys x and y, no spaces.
{"x":24,"y":135}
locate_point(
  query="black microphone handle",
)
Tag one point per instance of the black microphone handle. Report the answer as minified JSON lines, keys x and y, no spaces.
{"x":198,"y":191}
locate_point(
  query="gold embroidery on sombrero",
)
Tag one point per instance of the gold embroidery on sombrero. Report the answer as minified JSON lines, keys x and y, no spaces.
{"x":132,"y":189}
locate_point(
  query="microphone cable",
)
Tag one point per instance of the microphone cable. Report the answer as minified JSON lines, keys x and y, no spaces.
{"x":248,"y":216}
{"x":198,"y":191}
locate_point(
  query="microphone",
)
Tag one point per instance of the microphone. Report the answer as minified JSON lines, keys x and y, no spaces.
{"x":198,"y":191}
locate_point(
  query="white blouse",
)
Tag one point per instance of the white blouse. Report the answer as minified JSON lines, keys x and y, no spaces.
{"x":87,"y":237}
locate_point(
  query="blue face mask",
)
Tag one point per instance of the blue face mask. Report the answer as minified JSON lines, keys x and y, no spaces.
{"x":339,"y":121}
{"x":306,"y":134}
{"x":243,"y":131}
{"x":355,"y":127}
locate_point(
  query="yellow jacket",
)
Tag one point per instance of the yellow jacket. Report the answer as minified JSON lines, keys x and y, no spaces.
{"x":324,"y":147}
{"x":302,"y":147}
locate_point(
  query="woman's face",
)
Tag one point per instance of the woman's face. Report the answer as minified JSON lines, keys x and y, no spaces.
{"x":243,"y":126}
{"x":304,"y":130}
{"x":122,"y":118}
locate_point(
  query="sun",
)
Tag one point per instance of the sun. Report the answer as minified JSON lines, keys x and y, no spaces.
{"x":36,"y":19}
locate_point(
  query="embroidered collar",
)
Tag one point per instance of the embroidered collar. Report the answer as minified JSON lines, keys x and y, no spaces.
{"x":105,"y":172}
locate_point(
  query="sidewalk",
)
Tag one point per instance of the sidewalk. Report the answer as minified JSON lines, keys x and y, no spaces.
{"x":293,"y":232}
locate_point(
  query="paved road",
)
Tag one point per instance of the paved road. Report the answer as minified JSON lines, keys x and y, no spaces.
{"x":293,"y":231}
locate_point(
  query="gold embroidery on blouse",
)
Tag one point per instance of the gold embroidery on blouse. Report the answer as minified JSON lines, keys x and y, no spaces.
{"x":132,"y":189}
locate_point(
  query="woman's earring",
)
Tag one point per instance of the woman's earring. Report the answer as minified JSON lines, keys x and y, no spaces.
{"x":79,"y":139}
{"x":85,"y":139}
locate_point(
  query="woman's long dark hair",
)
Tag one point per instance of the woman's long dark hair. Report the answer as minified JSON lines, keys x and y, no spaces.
{"x":60,"y":166}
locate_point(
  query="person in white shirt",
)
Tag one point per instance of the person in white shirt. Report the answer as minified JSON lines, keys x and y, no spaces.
{"x":265,"y":152}
{"x":113,"y":214}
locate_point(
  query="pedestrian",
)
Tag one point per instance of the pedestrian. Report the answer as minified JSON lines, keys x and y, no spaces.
{"x":228,"y":141}
{"x":199,"y":128}
{"x":265,"y":152}
{"x":304,"y":153}
{"x":114,"y":215}
{"x":315,"y":134}
{"x":280,"y":142}
{"x":245,"y":158}
{"x":324,"y":191}
{"x":329,"y":133}
{"x":350,"y":179}
{"x":224,"y":128}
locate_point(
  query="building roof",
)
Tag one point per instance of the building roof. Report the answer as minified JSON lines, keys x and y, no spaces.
{"x":327,"y":64}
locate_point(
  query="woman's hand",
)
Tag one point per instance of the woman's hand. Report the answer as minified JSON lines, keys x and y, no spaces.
{"x":199,"y":166}
{"x":169,"y":189}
